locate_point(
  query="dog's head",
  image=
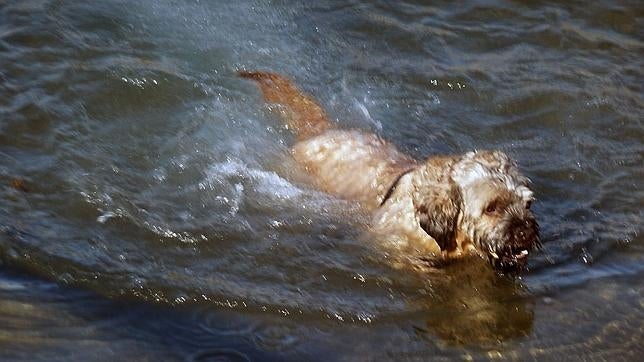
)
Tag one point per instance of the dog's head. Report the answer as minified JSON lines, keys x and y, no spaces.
{"x":485,"y":198}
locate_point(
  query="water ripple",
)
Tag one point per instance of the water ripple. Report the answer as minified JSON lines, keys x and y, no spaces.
{"x":156,"y":177}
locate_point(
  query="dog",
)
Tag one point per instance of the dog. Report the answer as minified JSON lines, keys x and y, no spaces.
{"x":443,"y":207}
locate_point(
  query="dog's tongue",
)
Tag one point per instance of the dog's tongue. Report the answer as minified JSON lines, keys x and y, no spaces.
{"x":521,"y":254}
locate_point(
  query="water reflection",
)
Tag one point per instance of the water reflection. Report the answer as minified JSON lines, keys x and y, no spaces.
{"x":473,"y":305}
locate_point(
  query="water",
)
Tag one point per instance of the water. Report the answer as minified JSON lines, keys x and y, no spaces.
{"x":150,"y":208}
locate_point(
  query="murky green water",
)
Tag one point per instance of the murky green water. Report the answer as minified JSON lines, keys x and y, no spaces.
{"x":158,"y":215}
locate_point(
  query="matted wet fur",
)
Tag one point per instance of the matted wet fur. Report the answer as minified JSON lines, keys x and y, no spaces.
{"x":445,"y":206}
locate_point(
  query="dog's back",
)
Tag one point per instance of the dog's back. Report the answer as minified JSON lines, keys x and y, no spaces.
{"x":352,"y":164}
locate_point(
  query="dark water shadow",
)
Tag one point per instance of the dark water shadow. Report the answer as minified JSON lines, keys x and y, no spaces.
{"x":473,"y":305}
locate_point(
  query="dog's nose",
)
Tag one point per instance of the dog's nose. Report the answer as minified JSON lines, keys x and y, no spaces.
{"x":525,"y":233}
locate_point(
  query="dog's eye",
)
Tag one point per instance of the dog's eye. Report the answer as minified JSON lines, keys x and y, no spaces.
{"x":528,"y":204}
{"x":491,"y":208}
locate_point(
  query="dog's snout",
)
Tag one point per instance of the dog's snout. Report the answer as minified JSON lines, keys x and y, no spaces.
{"x":525,"y":233}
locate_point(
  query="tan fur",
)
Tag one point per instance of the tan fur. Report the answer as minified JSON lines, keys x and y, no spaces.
{"x":446,"y":205}
{"x":303,"y":116}
{"x":352,"y":164}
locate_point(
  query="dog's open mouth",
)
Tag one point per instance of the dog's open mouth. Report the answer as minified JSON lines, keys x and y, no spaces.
{"x":515,"y":255}
{"x":511,"y":260}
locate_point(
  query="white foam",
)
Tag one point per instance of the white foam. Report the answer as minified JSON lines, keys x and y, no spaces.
{"x":264,"y":182}
{"x":105,"y":216}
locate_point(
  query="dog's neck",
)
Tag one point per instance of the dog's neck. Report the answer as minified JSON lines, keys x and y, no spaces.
{"x":412,"y":205}
{"x":425,"y":179}
{"x":394,"y":184}
{"x":432,"y":190}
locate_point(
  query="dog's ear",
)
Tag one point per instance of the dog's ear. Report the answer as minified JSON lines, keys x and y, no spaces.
{"x":438,"y":210}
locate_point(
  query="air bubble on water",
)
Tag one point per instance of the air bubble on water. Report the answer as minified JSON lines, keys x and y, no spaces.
{"x":158,"y":297}
{"x":365,"y":317}
{"x":585,"y":257}
{"x":138,"y":282}
{"x":434,"y":98}
{"x":105,"y":216}
{"x":222,"y":199}
{"x":66,"y":278}
{"x":494,"y":354}
{"x":239,"y":193}
{"x":276,"y":224}
{"x":185,"y":215}
{"x":467,"y":357}
{"x":96,"y":198}
{"x":180,"y":299}
{"x":168,"y":233}
{"x":160,"y":174}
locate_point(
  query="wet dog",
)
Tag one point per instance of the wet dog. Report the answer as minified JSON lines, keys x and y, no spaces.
{"x":445,"y":206}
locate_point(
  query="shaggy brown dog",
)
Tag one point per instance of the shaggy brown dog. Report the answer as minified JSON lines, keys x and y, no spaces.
{"x":447,"y":205}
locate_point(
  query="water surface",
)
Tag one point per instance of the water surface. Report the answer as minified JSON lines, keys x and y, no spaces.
{"x":150,"y":208}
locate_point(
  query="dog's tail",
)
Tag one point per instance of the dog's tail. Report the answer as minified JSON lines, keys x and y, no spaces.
{"x":303,"y":115}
